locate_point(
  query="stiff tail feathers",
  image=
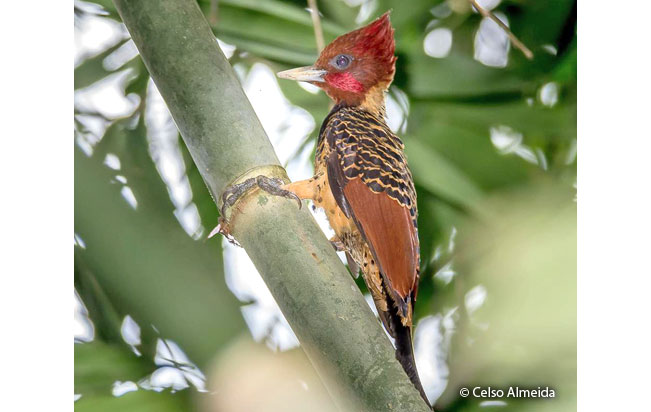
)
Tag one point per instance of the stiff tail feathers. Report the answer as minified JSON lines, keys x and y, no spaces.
{"x":404,"y":347}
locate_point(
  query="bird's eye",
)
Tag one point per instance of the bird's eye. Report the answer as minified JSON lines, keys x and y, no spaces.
{"x":341,"y":61}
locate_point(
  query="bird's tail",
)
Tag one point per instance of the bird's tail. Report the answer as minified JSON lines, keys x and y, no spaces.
{"x":404,"y":347}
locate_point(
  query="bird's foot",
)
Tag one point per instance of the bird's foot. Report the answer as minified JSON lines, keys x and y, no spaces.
{"x":271,"y":185}
{"x":337,"y":244}
{"x":340,"y":247}
{"x":232,"y":194}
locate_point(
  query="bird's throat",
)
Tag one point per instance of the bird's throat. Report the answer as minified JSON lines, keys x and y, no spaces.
{"x":373,"y":101}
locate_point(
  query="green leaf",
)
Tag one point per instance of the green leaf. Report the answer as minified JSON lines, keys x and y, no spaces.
{"x":283,"y":11}
{"x":459,"y":75}
{"x":109,"y":7}
{"x":98,"y":366}
{"x":260,"y":47}
{"x":461,"y":132}
{"x":92,"y":69}
{"x":524,"y":332}
{"x":247,"y":24}
{"x":144,"y":261}
{"x":440,"y":176}
{"x":140,"y":401}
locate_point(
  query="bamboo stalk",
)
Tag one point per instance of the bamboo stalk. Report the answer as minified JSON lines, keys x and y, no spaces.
{"x":336,"y":328}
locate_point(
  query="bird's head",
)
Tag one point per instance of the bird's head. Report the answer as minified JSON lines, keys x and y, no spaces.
{"x":355,"y":67}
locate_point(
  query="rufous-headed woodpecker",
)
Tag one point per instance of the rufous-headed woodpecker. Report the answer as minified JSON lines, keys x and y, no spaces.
{"x":361,"y":177}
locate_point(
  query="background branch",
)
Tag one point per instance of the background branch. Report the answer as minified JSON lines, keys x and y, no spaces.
{"x":316,"y":21}
{"x":516,"y":42}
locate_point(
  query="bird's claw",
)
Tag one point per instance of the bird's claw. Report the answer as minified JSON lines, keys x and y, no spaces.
{"x":337,"y":244}
{"x":223,"y":229}
{"x":234,"y":192}
{"x":271,"y":185}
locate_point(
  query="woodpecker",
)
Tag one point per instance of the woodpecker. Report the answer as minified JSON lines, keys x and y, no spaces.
{"x":362,"y":180}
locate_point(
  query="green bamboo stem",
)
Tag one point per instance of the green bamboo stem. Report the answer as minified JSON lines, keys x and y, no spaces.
{"x":337,"y":330}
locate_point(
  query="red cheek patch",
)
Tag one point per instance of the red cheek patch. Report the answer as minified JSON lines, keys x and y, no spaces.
{"x":344,"y":81}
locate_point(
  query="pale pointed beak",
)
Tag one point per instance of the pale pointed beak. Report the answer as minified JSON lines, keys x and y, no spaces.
{"x":304,"y":74}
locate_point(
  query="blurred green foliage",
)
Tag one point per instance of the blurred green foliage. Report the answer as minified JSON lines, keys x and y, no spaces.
{"x":515,"y":219}
{"x":98,"y":365}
